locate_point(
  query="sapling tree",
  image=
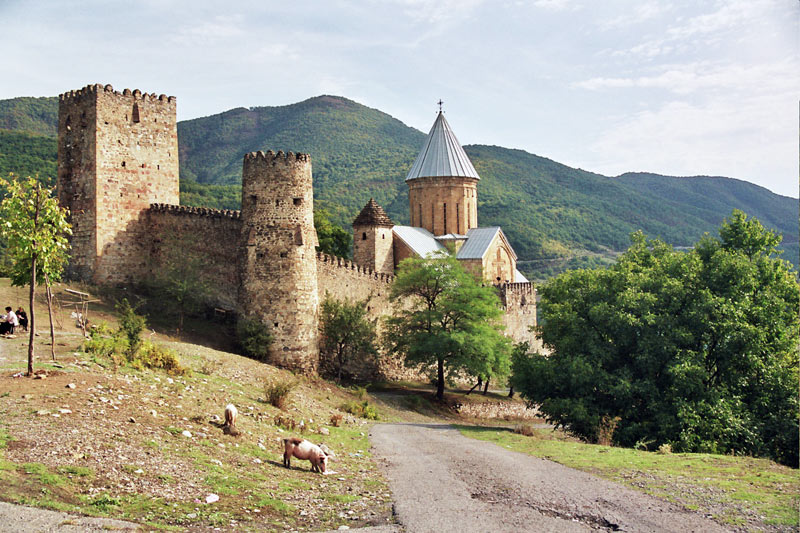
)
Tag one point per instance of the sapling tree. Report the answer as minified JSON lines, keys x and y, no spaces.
{"x":36,"y":231}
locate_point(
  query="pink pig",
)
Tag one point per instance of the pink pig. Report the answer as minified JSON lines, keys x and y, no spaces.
{"x":303,"y":449}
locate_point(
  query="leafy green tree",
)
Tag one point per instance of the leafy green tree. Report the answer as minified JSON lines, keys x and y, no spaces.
{"x":35,"y":230}
{"x":696,"y":349}
{"x":254,"y":337}
{"x":347,"y":333}
{"x":445,"y":317}
{"x":333,"y":239}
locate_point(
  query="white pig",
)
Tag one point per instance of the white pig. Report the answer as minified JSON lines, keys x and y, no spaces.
{"x":303,"y":449}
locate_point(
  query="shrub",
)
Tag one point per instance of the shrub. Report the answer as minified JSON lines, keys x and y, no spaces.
{"x":277,"y":393}
{"x":131,"y":325}
{"x":524,"y":429}
{"x":361,"y":409}
{"x":254,"y":338}
{"x":285,"y":422}
{"x":153,"y":356}
{"x":665,"y":449}
{"x":605,"y":430}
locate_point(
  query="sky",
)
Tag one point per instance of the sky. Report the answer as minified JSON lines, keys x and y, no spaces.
{"x":672,"y":87}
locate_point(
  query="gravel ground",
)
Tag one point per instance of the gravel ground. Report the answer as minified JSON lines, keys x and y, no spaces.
{"x":443,"y":481}
{"x":19,"y":519}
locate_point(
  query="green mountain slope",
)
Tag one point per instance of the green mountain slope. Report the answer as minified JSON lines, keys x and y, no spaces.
{"x":27,"y":155}
{"x":357,"y":152}
{"x":555,"y":216}
{"x":32,"y":115}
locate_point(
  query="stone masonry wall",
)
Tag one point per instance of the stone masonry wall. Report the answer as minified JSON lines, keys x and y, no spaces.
{"x":345,"y":280}
{"x":137,"y":165}
{"x":519,"y":303}
{"x":432,"y":200}
{"x":372,"y":248}
{"x":279,"y":262}
{"x":76,"y":183}
{"x":210,"y":235}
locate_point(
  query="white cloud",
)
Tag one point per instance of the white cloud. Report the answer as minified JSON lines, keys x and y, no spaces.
{"x":218,"y":28}
{"x":641,"y":13}
{"x":698,"y":76}
{"x":735,"y":137}
{"x":437,"y":11}
{"x":556,"y":5}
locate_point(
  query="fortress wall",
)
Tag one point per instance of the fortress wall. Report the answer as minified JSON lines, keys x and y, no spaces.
{"x":519,"y":303}
{"x":343,"y":279}
{"x":180,"y":233}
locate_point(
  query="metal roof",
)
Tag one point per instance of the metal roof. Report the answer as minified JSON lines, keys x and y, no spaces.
{"x":420,"y":240}
{"x":442,"y":155}
{"x":478,"y":241}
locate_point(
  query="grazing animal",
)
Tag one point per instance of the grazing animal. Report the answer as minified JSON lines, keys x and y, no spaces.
{"x":303,"y":449}
{"x":229,"y":428}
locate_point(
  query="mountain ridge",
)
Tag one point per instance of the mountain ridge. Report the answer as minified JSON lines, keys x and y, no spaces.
{"x":548,"y":210}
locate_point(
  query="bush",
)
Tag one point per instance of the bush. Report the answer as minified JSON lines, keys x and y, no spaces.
{"x":524,"y":429}
{"x":361,"y":409}
{"x":153,"y":356}
{"x":277,"y":393}
{"x":254,"y":338}
{"x":131,"y":325}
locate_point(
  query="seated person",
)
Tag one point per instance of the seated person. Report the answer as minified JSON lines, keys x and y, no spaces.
{"x":23,"y":319}
{"x":9,"y":322}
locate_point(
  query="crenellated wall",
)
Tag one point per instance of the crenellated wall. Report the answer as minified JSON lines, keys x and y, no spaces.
{"x":210,"y":236}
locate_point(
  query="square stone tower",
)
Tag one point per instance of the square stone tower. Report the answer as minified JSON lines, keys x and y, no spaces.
{"x":117,"y":154}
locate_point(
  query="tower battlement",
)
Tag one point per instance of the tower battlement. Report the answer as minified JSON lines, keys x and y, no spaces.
{"x":95,"y":89}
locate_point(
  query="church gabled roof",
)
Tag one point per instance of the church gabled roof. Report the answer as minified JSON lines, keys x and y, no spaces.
{"x":373,"y":215}
{"x":479,"y":240}
{"x":419,"y":240}
{"x":442,"y":155}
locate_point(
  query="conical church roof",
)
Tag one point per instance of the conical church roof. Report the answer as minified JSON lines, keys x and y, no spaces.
{"x":372,"y":215}
{"x":442,"y":155}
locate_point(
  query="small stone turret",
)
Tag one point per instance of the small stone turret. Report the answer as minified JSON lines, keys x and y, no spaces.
{"x":372,"y":239}
{"x":279,"y":263}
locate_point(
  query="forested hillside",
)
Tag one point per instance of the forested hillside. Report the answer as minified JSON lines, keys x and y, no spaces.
{"x":556,"y":217}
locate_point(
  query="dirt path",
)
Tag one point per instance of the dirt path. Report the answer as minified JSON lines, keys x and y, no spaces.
{"x":443,"y":481}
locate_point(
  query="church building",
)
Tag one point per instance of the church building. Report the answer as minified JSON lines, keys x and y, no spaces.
{"x":443,"y":204}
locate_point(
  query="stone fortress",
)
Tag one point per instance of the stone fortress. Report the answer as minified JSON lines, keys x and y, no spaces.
{"x":118,"y":175}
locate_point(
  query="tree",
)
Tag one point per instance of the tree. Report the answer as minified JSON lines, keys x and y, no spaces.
{"x":333,"y":239}
{"x":696,"y":349}
{"x":35,"y":229}
{"x":180,"y":277}
{"x":347,"y":333}
{"x":445,"y":317}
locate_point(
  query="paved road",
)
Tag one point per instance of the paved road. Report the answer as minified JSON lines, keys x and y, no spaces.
{"x":442,"y":481}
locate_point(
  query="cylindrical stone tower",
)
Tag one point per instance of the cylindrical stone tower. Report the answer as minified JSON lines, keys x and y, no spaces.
{"x":279,"y":267}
